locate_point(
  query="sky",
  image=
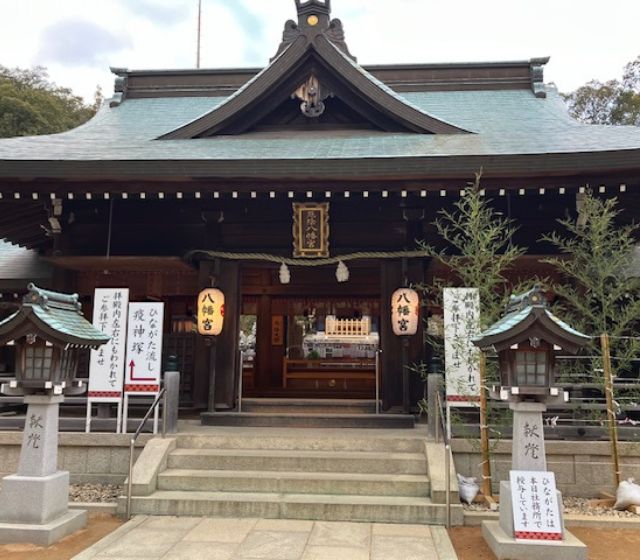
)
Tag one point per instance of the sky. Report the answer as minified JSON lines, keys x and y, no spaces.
{"x":78,"y":40}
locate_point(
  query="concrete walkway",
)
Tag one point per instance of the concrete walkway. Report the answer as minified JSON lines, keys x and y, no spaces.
{"x":188,"y":538}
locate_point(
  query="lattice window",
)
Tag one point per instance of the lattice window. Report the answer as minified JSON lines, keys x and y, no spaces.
{"x":531,"y":368}
{"x":37,"y":361}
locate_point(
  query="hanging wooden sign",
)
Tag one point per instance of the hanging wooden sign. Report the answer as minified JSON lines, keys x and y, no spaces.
{"x":310,"y":230}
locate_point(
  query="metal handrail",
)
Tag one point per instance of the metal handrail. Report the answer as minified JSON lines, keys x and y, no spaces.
{"x":378,"y":352}
{"x":240,"y":380}
{"x":441,"y":423}
{"x":162,"y":395}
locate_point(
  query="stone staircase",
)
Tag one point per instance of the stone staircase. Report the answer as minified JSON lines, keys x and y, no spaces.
{"x":309,"y":413}
{"x":329,"y":475}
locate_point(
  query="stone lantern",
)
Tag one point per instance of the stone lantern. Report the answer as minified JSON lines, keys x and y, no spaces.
{"x":527,"y":339}
{"x":48,"y":332}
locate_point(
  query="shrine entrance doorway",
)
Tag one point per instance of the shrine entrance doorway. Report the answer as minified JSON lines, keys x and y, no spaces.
{"x":312,"y":338}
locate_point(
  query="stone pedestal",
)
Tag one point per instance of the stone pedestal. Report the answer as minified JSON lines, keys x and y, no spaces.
{"x":34,"y":502}
{"x":172,"y":386}
{"x":527,"y":447}
{"x":505,"y":547}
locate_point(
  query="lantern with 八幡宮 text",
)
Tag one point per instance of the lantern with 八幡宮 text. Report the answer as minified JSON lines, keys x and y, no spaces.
{"x":210,"y":312}
{"x":405,"y":311}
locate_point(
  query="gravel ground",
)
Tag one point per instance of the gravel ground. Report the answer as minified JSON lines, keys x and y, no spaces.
{"x":578,"y":506}
{"x":94,"y":493}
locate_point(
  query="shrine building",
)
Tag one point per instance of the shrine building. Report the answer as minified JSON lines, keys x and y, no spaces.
{"x":301,"y":190}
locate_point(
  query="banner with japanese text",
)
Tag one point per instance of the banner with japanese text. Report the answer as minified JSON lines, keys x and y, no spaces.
{"x":143,"y":363}
{"x":461,"y":324}
{"x":106,"y":366}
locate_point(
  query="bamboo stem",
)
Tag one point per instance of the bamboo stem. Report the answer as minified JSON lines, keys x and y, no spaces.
{"x":611,"y":417}
{"x":484,"y":430}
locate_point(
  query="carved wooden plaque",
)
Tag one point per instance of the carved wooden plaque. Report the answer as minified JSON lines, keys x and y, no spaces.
{"x":277,"y":330}
{"x":310,"y":229}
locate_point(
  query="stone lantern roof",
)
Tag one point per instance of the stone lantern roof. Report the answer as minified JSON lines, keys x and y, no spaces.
{"x":54,"y":317}
{"x":528,"y":316}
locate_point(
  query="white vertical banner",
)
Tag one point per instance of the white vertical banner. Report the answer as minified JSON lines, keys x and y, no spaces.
{"x":461,"y":324}
{"x":106,"y":366}
{"x":143,"y":362}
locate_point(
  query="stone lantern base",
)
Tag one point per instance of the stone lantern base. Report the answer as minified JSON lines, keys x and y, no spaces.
{"x":34,"y":502}
{"x":506,"y":547}
{"x":44,"y":534}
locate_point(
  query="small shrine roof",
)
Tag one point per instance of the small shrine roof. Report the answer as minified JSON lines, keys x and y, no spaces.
{"x":58,"y":317}
{"x":528,"y":315}
{"x":512,"y":320}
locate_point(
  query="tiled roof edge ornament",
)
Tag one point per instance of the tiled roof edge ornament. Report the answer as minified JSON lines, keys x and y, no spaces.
{"x":47,"y":298}
{"x":537,"y":76}
{"x":120,"y":86}
{"x":314,"y":18}
{"x":534,"y":297}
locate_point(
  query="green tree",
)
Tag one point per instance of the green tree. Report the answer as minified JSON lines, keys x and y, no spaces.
{"x":479,"y":252}
{"x":600,"y":294}
{"x":30,"y":104}
{"x":612,"y":102}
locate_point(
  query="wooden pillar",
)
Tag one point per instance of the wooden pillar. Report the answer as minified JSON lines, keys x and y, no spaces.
{"x":227,"y":366}
{"x":391,"y":359}
{"x":263,"y":338}
{"x":201,"y":365}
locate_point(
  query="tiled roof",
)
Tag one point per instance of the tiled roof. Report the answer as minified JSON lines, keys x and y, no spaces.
{"x":506,"y":323}
{"x":508,"y":122}
{"x":512,"y":320}
{"x":21,"y":264}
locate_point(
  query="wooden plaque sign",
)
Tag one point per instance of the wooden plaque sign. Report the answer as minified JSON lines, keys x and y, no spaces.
{"x":310,"y":230}
{"x":277,"y":330}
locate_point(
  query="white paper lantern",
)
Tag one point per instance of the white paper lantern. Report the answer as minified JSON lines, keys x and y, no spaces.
{"x":210,"y":312}
{"x":405,"y":312}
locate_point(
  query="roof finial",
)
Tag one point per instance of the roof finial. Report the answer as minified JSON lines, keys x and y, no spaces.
{"x":326,"y":4}
{"x":314,"y":14}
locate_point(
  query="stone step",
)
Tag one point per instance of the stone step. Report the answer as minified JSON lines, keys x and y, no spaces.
{"x":298,"y":420}
{"x":309,"y":406}
{"x":294,"y":482}
{"x":316,"y":440}
{"x":320,"y":507}
{"x":295,"y":460}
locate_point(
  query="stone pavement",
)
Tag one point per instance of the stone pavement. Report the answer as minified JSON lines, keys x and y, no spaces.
{"x":188,"y":538}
